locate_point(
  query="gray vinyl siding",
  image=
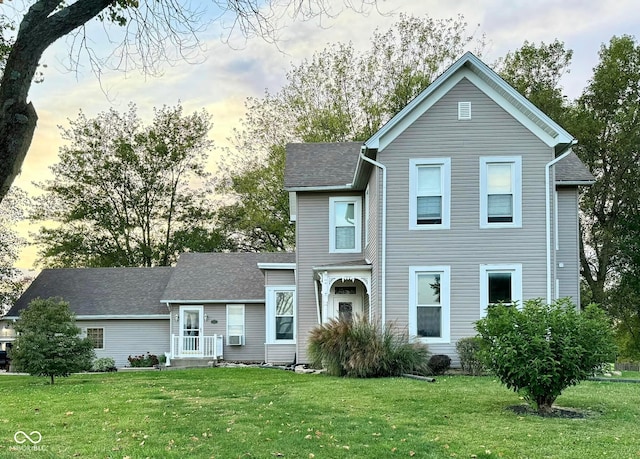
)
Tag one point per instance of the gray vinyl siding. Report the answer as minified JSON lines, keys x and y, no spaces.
{"x":123,"y":338}
{"x":280,"y":354}
{"x":254,"y":329}
{"x":465,"y":246}
{"x":372,"y":249}
{"x":312,"y":249}
{"x":568,"y":244}
{"x":279,"y":277}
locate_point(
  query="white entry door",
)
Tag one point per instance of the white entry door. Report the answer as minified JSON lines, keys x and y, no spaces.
{"x":191,"y":330}
{"x":346,"y":302}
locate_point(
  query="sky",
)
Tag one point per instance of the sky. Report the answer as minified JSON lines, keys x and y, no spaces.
{"x":222,"y":76}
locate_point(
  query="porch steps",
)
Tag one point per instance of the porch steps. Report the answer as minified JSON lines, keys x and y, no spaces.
{"x":192,"y":363}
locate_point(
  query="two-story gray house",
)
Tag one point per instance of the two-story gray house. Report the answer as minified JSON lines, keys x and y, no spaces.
{"x":467,"y":197}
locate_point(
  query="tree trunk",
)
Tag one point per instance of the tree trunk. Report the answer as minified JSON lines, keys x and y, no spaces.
{"x":545,"y":404}
{"x":39,"y":28}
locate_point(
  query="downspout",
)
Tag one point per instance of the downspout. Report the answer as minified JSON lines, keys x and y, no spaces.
{"x":383,"y":262}
{"x":547,"y":182}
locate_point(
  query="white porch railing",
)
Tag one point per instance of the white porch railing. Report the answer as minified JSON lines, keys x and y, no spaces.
{"x":196,"y":346}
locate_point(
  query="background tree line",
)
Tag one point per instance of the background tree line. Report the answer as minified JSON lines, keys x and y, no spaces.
{"x":151,"y":197}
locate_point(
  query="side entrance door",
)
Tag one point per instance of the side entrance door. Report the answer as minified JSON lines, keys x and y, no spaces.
{"x":191,"y":330}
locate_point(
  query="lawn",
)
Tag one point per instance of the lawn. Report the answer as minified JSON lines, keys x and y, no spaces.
{"x":262,"y":413}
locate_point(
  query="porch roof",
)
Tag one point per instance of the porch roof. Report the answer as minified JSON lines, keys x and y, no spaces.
{"x":571,"y":171}
{"x":212,"y":277}
{"x":100,"y":291}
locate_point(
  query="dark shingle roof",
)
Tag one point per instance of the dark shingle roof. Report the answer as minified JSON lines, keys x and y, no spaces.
{"x":571,"y":170}
{"x":320,"y":164}
{"x":101,"y":291}
{"x":220,"y":276}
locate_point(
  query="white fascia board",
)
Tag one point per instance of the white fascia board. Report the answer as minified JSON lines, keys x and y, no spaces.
{"x":499,"y":91}
{"x":122,"y":316}
{"x":293,"y":206}
{"x":345,"y":187}
{"x":218,"y":301}
{"x":342,"y":268}
{"x":285,"y":266}
{"x":575,"y":183}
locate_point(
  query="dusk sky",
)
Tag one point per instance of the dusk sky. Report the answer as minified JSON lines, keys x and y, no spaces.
{"x":227,"y":75}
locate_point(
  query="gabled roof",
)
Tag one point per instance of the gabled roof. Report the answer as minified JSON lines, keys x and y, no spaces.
{"x":571,"y":171}
{"x":476,"y":71}
{"x":220,"y":277}
{"x":101,"y":291}
{"x":320,"y":166}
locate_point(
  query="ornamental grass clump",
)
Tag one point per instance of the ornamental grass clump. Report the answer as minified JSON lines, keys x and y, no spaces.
{"x":363,"y":349}
{"x":542,"y":349}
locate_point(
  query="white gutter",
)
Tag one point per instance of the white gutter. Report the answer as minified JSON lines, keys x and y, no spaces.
{"x":383,"y":262}
{"x":547,"y":182}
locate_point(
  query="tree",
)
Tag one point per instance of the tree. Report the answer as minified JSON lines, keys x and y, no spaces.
{"x":11,"y":211}
{"x":49,"y":342}
{"x":259,"y":215}
{"x":542,"y":349}
{"x":337,"y":95}
{"x":127,"y":194}
{"x":154,"y":26}
{"x":535,"y":72}
{"x":606,"y":121}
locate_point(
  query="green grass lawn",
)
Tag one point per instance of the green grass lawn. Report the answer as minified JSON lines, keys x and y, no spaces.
{"x":261,"y":413}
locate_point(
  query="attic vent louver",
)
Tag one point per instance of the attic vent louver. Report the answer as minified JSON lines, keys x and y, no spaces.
{"x":464,"y":110}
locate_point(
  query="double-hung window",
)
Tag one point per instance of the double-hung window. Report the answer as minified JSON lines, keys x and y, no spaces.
{"x":429,"y":193}
{"x":235,"y":324}
{"x":429,"y":297}
{"x":345,"y":224}
{"x":500,"y":284}
{"x":281,"y":314}
{"x":501,"y":192}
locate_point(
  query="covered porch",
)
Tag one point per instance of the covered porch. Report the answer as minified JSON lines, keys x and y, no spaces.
{"x":197,"y":347}
{"x":343,"y":291}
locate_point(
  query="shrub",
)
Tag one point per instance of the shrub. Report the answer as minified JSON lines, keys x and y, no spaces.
{"x":104,"y":364}
{"x":438,"y":364}
{"x":147,"y":360}
{"x":469,"y":352}
{"x":364,"y":349}
{"x":543,"y":349}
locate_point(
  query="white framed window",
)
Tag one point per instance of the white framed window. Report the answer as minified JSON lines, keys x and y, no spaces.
{"x":429,"y":303}
{"x":501,"y":192}
{"x":500,"y":284}
{"x":96,"y":336}
{"x":235,"y":324}
{"x":281,"y":314}
{"x":345,"y":224}
{"x":429,"y":193}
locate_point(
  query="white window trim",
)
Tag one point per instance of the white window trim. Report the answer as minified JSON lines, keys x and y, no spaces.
{"x":516,"y":284}
{"x":229,"y":306}
{"x":357,"y":201}
{"x":270,"y":295}
{"x":104,"y":337}
{"x":445,"y":164}
{"x":445,"y":302}
{"x":517,"y":191}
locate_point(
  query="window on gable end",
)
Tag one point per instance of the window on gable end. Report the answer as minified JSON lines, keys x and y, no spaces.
{"x":501,"y":192}
{"x":429,"y":303}
{"x":429,"y":193}
{"x":500,"y":284}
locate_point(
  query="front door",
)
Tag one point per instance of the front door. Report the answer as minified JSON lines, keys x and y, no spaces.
{"x":191,"y":330}
{"x":346,"y":301}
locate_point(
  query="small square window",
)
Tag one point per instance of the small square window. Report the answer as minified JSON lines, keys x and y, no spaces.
{"x":96,"y":336}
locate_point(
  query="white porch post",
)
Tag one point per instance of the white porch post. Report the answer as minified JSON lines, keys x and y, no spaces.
{"x":326,"y":289}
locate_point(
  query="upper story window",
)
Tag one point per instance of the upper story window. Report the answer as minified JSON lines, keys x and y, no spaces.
{"x":429,"y":311}
{"x":501,"y":192}
{"x":500,"y":284}
{"x":345,"y":224}
{"x":429,"y":193}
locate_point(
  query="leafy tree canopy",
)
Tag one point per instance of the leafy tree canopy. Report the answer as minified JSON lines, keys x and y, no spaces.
{"x":12,"y":210}
{"x":126,"y":194}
